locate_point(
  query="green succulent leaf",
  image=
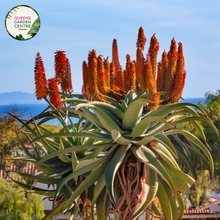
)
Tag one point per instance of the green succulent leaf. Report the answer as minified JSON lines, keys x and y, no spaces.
{"x":165,"y":202}
{"x":145,"y":155}
{"x":112,"y":168}
{"x":152,"y":184}
{"x":195,"y":141}
{"x":91,"y":179}
{"x":68,"y":150}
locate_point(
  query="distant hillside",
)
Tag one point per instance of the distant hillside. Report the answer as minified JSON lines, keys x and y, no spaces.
{"x":9,"y":98}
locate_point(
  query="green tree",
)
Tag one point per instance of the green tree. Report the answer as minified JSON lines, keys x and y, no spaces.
{"x":199,"y":194}
{"x":212,"y":108}
{"x":15,"y":204}
{"x":9,"y":143}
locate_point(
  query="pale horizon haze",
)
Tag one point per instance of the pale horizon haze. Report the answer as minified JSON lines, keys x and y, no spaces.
{"x":78,"y":26}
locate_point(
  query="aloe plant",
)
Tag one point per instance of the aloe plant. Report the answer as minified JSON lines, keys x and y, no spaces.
{"x":126,"y":148}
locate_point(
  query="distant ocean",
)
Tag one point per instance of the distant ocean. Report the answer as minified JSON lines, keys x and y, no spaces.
{"x":35,"y":109}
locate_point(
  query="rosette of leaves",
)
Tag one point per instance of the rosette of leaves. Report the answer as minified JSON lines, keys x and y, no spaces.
{"x":119,"y":157}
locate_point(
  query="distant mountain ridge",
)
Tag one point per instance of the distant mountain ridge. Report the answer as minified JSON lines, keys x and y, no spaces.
{"x":12,"y":98}
{"x":8,"y":98}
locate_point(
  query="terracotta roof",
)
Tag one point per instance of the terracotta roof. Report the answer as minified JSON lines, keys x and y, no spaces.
{"x":204,"y":210}
{"x":196,"y":211}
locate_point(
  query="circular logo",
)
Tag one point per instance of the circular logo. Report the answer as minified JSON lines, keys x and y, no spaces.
{"x":22,"y":22}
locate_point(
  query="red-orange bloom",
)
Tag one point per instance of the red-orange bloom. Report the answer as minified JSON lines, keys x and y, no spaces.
{"x":151,"y":85}
{"x":164,"y":71}
{"x":141,"y":38}
{"x":159,"y":70}
{"x":149,"y":77}
{"x":126,"y":72}
{"x":101,"y":72}
{"x":60,"y":65}
{"x":112,"y":75}
{"x":55,"y":98}
{"x":156,"y":99}
{"x":85,"y":88}
{"x":92,"y":72}
{"x":153,"y":50}
{"x":179,"y":76}
{"x":115,"y":59}
{"x":119,"y":78}
{"x":107,"y":68}
{"x":172,"y":54}
{"x":68,"y":74}
{"x":141,"y":79}
{"x":172,"y":59}
{"x":93,"y":78}
{"x":40,"y":78}
{"x":66,"y":83}
{"x":128,"y":61}
{"x":131,"y":76}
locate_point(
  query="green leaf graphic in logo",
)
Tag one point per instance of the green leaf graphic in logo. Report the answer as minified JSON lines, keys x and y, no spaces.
{"x":10,"y":12}
{"x":20,"y":37}
{"x":35,"y":27}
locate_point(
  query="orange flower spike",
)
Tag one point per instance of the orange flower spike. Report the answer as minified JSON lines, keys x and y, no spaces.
{"x":140,"y":70}
{"x":159,"y":70}
{"x":68,"y":72}
{"x":55,"y":98}
{"x":153,"y":50}
{"x":177,"y":90}
{"x":126,"y":72}
{"x":119,"y":79}
{"x":149,"y":77}
{"x":172,"y":59}
{"x":107,"y":67}
{"x":180,"y":68}
{"x":151,"y":85}
{"x":85,"y":88}
{"x":112,"y":75}
{"x":101,"y":73}
{"x":90,"y":57}
{"x":156,"y":99}
{"x":66,"y":83}
{"x":60,"y":65}
{"x":132,"y":76}
{"x":141,"y":39}
{"x":40,"y":78}
{"x":172,"y":54}
{"x":93,"y":78}
{"x":179,"y":76}
{"x":163,"y":71}
{"x":128,"y":61}
{"x":115,"y":59}
{"x":100,"y":67}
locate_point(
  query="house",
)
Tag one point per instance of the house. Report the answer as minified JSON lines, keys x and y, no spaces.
{"x":211,"y":211}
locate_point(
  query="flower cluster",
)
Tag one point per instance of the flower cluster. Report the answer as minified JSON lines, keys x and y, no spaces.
{"x":62,"y":78}
{"x":102,"y":79}
{"x":40,"y":78}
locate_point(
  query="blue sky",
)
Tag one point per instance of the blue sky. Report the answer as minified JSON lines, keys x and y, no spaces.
{"x":78,"y":26}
